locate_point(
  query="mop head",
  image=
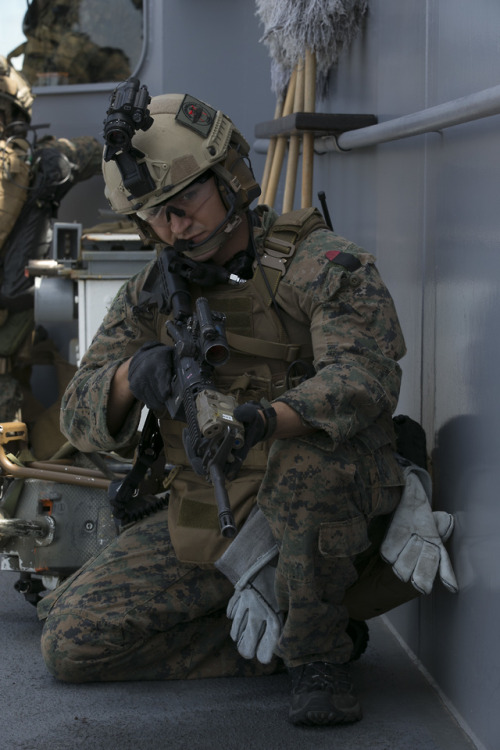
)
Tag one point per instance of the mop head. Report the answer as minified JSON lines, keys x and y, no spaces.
{"x":325,"y":27}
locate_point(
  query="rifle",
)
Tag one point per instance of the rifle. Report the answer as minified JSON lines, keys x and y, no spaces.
{"x":200,"y":345}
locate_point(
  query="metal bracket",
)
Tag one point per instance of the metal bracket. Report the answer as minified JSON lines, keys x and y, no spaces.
{"x":319,"y":123}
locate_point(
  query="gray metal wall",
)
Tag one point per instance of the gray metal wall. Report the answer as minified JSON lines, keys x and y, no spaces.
{"x":428,"y":208}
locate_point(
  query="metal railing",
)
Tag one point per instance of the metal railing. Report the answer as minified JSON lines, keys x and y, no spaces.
{"x":465,"y":109}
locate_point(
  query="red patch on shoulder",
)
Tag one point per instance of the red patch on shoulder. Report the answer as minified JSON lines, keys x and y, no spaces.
{"x":332,"y":254}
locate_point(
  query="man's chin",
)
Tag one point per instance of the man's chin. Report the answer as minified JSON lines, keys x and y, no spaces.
{"x":195,"y":253}
{"x":206,"y":256}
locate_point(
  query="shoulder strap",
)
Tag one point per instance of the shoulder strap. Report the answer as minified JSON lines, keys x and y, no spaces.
{"x":291,"y":228}
{"x":280,"y":244}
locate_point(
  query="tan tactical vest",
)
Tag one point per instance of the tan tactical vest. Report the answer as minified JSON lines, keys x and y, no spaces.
{"x":263,"y":348}
{"x":14,"y":182}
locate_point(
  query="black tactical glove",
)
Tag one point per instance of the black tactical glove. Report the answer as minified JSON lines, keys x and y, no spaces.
{"x":257,"y":428}
{"x":150,"y":373}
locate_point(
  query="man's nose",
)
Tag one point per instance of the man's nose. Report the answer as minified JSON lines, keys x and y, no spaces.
{"x":179,"y":224}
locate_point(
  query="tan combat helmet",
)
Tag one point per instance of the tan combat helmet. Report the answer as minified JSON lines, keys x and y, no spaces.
{"x":186,"y":139}
{"x":16,"y":99}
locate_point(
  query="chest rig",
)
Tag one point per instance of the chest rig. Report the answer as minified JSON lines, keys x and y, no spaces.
{"x":279,"y":244}
{"x":262,"y":352}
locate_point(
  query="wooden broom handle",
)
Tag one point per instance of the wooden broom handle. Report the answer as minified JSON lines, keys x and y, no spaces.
{"x":278,"y":112}
{"x":294,"y":144}
{"x":281,"y":144}
{"x":308,"y":138}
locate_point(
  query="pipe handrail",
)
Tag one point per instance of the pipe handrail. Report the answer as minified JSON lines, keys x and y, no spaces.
{"x":456,"y":112}
{"x":485,"y":103}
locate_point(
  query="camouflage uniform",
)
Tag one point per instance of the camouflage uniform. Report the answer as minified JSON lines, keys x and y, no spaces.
{"x":23,"y":237}
{"x":84,"y":151}
{"x":152,"y":604}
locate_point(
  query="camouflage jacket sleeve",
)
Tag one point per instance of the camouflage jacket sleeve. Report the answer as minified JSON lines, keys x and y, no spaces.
{"x":84,"y":404}
{"x":85,"y":152}
{"x":355,"y":333}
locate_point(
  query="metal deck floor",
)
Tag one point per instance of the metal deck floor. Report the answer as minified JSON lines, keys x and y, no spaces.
{"x":401,"y":710}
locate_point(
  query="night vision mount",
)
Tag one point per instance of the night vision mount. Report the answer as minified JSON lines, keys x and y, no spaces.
{"x":128,"y":112}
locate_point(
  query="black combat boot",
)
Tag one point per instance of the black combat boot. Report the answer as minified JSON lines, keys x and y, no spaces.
{"x":358,"y":632}
{"x":322,"y":695}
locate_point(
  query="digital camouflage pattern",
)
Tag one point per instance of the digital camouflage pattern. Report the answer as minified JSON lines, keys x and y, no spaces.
{"x":320,"y":509}
{"x":346,"y":321}
{"x":322,"y":494}
{"x":137,"y":613}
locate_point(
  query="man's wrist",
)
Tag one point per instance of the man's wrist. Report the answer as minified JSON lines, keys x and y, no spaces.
{"x":270,"y":418}
{"x":289,"y":422}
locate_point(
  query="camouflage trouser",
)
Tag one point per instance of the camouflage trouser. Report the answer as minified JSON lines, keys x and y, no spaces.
{"x":136,"y":613}
{"x":324,"y":510}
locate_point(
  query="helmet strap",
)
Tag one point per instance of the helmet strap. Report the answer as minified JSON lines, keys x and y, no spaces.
{"x":220,"y":235}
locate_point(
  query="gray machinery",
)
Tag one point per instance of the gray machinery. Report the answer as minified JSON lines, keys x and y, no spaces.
{"x":56,"y":514}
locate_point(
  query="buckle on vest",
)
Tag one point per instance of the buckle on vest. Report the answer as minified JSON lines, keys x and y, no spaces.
{"x":277,"y":253}
{"x":283,"y":247}
{"x":272,"y":261}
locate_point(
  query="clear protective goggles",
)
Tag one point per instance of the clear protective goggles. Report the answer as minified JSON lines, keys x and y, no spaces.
{"x":185,"y":203}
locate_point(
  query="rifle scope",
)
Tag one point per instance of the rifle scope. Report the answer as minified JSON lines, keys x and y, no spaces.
{"x":213,"y":341}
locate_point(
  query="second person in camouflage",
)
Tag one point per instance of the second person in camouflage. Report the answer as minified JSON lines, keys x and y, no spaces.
{"x":35,"y":175}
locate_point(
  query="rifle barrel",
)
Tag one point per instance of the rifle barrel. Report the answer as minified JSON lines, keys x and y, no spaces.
{"x":226,"y":520}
